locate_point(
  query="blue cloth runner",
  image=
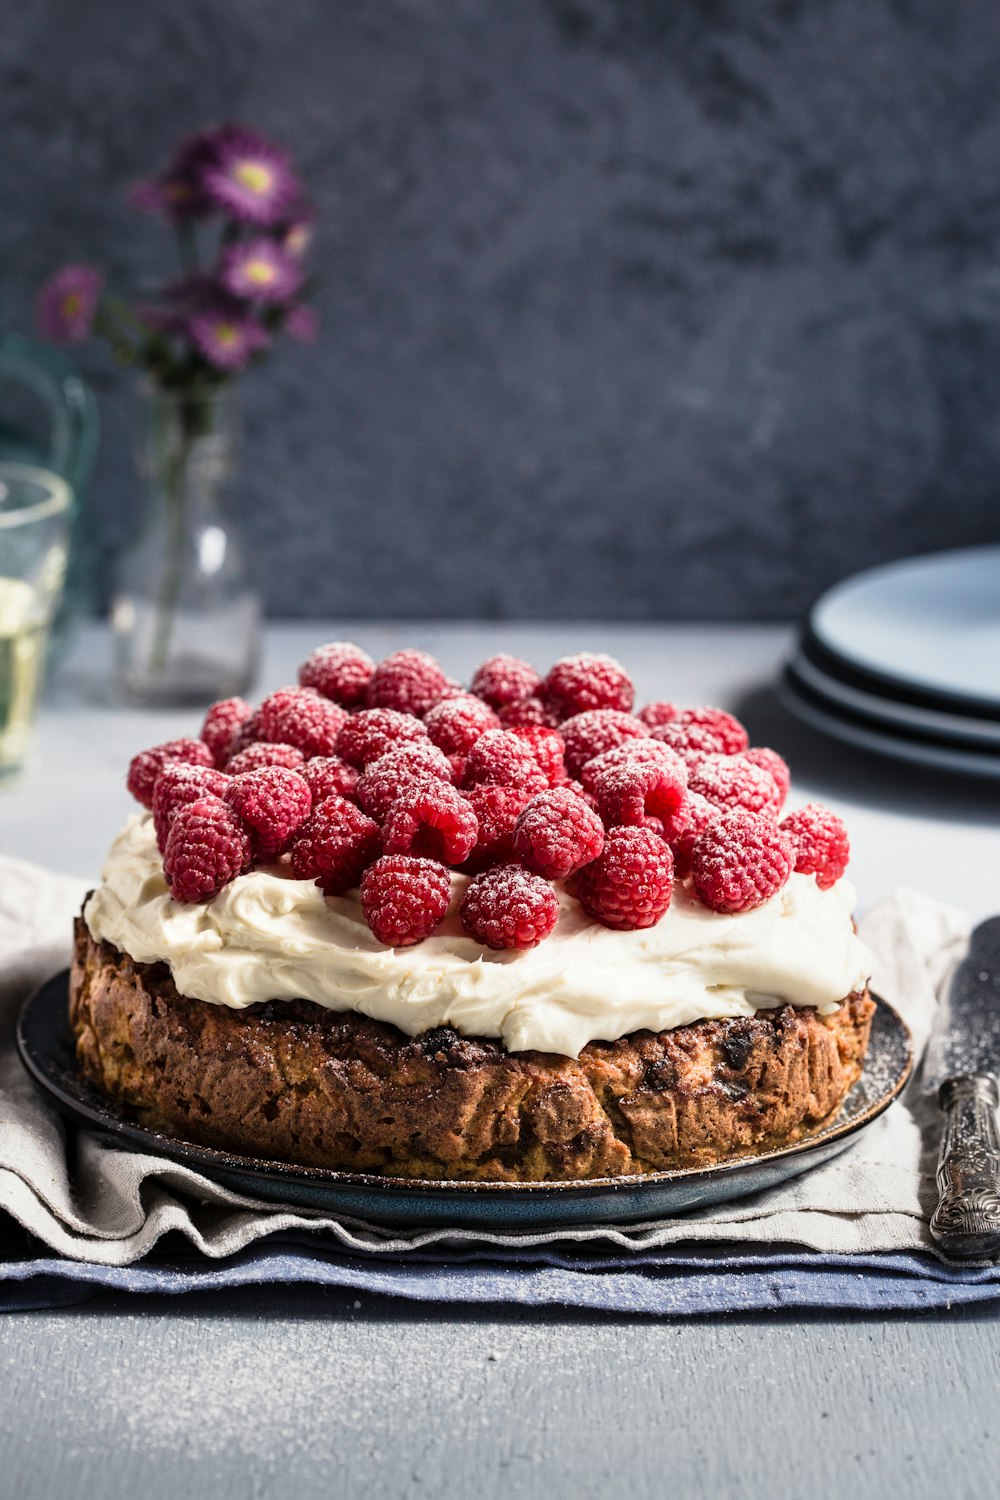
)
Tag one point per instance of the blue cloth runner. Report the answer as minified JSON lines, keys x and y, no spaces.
{"x":673,"y":1284}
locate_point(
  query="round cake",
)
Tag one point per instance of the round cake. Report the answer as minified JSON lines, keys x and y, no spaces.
{"x":379,"y":924}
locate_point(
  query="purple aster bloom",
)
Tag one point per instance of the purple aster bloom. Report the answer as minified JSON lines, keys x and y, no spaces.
{"x":302,"y":323}
{"x":226,"y":339}
{"x":249,"y":178}
{"x":67,"y":304}
{"x":178,"y":191}
{"x":259,"y":271}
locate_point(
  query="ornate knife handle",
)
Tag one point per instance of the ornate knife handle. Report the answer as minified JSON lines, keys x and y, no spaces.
{"x":966,"y":1222}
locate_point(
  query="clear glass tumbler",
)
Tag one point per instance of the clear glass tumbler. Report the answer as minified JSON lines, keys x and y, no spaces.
{"x":35,"y":509}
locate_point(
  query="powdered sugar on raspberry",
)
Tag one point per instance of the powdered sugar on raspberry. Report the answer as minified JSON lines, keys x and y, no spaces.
{"x":221,"y":723}
{"x":373,"y":732}
{"x":590,"y":734}
{"x":207,"y":847}
{"x":733,"y":781}
{"x":433,"y":820}
{"x":587,"y":680}
{"x":820,"y":843}
{"x":261,"y":754}
{"x":455,"y":724}
{"x":147,"y":765}
{"x":740,"y":861}
{"x":409,"y":681}
{"x":404,"y":898}
{"x":509,"y":907}
{"x":340,"y":670}
{"x":504,"y":680}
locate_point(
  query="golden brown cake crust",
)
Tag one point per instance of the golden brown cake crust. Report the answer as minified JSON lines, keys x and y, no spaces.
{"x":290,"y":1081}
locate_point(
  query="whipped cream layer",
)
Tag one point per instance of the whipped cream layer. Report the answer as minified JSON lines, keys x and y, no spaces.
{"x":268,"y":936}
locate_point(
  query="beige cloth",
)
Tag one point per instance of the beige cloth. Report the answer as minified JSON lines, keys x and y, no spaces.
{"x":96,"y":1203}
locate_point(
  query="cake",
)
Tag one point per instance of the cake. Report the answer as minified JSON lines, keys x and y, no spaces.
{"x":518,"y":933}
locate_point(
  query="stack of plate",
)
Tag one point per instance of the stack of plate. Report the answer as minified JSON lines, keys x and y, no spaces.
{"x":905,"y":660}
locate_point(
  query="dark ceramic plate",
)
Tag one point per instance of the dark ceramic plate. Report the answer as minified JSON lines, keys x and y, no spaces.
{"x":45,"y":1043}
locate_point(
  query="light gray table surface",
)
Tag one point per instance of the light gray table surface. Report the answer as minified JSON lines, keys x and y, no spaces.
{"x":317,"y":1393}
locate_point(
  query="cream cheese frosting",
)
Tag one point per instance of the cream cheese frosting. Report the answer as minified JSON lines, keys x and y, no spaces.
{"x":268,"y":936}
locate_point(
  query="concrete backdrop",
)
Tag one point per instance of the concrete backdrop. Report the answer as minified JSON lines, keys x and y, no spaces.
{"x":638,"y":308}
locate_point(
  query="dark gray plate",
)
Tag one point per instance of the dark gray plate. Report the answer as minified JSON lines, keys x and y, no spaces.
{"x":45,"y":1043}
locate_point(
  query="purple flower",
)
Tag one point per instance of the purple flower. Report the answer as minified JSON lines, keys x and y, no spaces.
{"x":67,"y":304}
{"x":178,"y":191}
{"x":260,"y":271}
{"x":226,"y":339}
{"x":302,"y":323}
{"x":249,"y":177}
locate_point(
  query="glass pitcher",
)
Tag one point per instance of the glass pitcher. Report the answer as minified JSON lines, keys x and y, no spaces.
{"x":48,"y":417}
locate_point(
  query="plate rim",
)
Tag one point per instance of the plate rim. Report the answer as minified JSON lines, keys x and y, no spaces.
{"x":897,"y":567}
{"x":839,"y":723}
{"x":103,"y":1117}
{"x":893,"y":711}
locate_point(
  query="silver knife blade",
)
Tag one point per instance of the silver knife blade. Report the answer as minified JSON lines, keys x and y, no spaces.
{"x":966,"y":1033}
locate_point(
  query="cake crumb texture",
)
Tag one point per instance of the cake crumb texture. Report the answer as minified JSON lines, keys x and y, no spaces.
{"x":294,"y":1082}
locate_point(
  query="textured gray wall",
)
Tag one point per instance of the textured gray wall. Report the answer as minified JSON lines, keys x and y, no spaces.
{"x":632,"y":307}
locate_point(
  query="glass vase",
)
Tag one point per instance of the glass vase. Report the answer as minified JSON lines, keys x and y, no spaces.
{"x":185,"y":615}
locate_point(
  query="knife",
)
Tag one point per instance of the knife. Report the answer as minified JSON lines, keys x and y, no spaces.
{"x":960,"y":1065}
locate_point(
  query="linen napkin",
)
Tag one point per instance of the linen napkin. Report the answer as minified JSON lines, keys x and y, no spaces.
{"x":102,"y":1210}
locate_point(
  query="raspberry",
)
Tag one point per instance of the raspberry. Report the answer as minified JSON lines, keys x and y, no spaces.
{"x":207,"y":847}
{"x":740,"y":861}
{"x":630,"y":792}
{"x":655,"y":714}
{"x":391,"y":775}
{"x":638,"y":752}
{"x":770,"y":760}
{"x":590,"y":734}
{"x":328,"y":776}
{"x":500,"y":758}
{"x":731,"y":781}
{"x":691,"y":741}
{"x":509,"y":907}
{"x":340,"y":671}
{"x":409,"y":681}
{"x":335,"y":845}
{"x":374,"y":732}
{"x":504,"y":680}
{"x":257,"y":755}
{"x":272,"y":803}
{"x":457,"y":763}
{"x":433,"y":820}
{"x":819,"y":842}
{"x":247,"y":734}
{"x":221,"y":723}
{"x":456,"y":724}
{"x":147,"y":765}
{"x":303,"y":718}
{"x":558,"y":833}
{"x":581,"y":791}
{"x":729,"y":731}
{"x":496,"y":809}
{"x":630,"y":884}
{"x":527,"y":712}
{"x":177,"y":785}
{"x":404,"y":898}
{"x":578,"y":683}
{"x":546,"y":745}
{"x":682,"y":833}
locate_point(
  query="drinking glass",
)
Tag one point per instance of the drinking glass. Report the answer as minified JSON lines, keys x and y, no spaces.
{"x":34,"y":521}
